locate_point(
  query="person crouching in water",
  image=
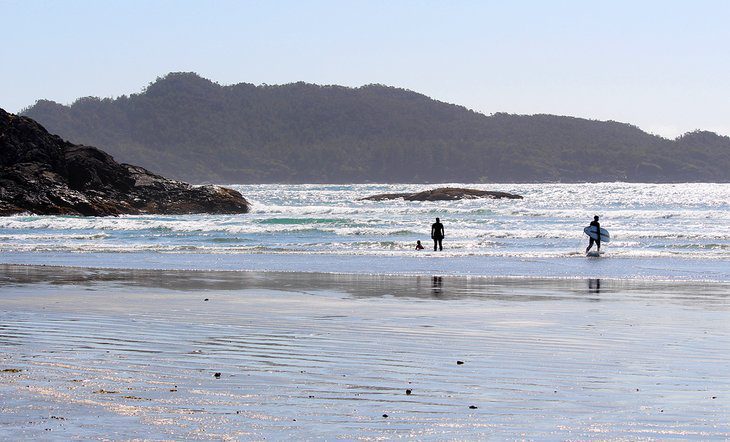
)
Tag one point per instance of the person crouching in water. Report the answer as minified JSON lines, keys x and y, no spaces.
{"x":437,"y":234}
{"x":596,"y":241}
{"x":419,"y":246}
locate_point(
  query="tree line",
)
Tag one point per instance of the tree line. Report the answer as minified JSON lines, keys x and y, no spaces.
{"x":191,"y":128}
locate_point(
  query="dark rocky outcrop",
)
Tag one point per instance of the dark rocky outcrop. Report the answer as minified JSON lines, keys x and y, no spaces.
{"x":443,"y":194}
{"x":42,"y":174}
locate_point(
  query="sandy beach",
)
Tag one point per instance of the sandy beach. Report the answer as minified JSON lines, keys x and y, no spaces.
{"x":138,"y":354}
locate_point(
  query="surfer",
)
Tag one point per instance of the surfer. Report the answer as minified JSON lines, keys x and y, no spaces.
{"x":437,"y":234}
{"x":419,"y":246}
{"x":597,"y":241}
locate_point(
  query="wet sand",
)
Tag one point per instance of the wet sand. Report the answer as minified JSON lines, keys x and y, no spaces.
{"x":125,"y":354}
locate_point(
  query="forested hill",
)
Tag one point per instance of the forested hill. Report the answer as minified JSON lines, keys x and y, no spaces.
{"x":191,"y":128}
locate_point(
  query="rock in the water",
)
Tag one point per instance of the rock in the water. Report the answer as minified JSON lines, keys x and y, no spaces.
{"x":42,"y":174}
{"x":443,"y":194}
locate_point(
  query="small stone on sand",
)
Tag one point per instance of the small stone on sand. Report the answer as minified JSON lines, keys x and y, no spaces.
{"x":408,"y":391}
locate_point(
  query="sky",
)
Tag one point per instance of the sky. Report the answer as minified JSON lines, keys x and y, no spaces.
{"x":661,"y":65}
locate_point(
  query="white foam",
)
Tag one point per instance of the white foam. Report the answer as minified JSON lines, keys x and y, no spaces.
{"x":688,"y":221}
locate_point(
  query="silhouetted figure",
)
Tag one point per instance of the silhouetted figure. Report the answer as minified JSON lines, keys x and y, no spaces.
{"x":437,"y":234}
{"x":596,"y":241}
{"x":419,"y":246}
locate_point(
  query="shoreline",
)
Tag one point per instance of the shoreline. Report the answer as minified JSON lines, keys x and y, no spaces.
{"x":232,"y":280}
{"x":623,"y":269}
{"x":11,"y":265}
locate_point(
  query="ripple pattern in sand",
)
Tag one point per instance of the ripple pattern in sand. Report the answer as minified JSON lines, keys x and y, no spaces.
{"x":125,"y":364}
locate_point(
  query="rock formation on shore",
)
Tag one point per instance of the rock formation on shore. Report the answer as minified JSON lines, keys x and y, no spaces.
{"x":42,"y":174}
{"x":443,"y":194}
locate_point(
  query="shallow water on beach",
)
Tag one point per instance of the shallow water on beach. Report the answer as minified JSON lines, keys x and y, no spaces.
{"x":661,"y":231}
{"x":133,"y":354}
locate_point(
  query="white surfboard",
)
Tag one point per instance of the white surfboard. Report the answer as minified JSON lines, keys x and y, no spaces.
{"x":593,"y":233}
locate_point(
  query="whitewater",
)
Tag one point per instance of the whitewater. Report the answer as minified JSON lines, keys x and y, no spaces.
{"x":659,"y":231}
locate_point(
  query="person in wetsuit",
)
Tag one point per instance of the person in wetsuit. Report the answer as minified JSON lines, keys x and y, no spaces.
{"x":437,"y":234}
{"x":596,"y":241}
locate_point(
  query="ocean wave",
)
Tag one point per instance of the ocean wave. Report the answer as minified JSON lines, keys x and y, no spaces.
{"x":51,"y":236}
{"x":368,"y":248}
{"x":645,"y":221}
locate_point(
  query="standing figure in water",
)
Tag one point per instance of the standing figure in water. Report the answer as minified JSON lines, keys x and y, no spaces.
{"x":437,"y":234}
{"x":598,"y":234}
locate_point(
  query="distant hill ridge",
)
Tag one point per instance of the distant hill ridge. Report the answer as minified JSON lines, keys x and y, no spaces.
{"x":191,"y":128}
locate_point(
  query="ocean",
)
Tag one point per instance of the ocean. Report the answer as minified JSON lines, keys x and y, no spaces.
{"x":658,"y":231}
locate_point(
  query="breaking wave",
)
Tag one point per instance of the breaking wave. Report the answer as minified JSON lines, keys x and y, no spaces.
{"x":646,"y":221}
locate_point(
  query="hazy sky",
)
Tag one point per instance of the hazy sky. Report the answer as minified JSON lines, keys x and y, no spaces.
{"x":662,"y":65}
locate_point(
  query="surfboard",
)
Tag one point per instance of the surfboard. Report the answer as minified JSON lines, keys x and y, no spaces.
{"x":592,"y":232}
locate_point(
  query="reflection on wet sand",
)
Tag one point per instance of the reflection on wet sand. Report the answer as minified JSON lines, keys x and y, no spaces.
{"x":437,"y":285}
{"x":358,"y":285}
{"x":594,"y":285}
{"x":225,"y":355}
